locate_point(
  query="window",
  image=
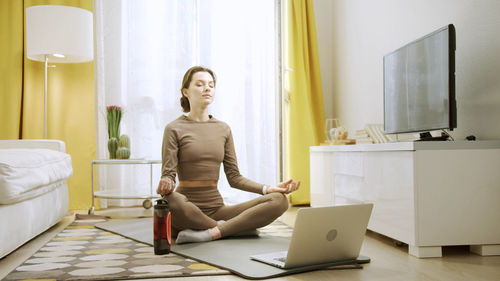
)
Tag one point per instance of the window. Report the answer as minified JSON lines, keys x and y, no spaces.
{"x":143,"y":50}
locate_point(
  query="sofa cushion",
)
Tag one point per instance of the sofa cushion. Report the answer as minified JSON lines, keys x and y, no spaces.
{"x":25,"y":173}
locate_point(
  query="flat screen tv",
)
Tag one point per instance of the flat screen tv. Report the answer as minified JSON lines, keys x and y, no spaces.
{"x":419,"y":85}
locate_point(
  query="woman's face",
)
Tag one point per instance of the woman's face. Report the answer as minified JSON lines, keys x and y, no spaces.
{"x":201,"y":90}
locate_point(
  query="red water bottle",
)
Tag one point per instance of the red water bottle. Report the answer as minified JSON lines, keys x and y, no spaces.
{"x":162,"y":240}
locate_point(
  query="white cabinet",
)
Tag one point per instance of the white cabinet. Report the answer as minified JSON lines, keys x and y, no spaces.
{"x":425,"y":194}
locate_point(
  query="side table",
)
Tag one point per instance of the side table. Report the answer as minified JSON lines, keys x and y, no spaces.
{"x":114,"y":194}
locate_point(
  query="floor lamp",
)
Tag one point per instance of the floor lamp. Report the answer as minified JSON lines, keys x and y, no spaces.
{"x":58,"y":34}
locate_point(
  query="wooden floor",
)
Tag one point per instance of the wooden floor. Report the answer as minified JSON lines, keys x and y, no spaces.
{"x":388,"y":261}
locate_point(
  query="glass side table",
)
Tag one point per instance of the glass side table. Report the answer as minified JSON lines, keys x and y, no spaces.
{"x":115,"y":194}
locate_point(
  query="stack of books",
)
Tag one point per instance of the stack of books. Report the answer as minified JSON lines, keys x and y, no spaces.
{"x":362,"y":137}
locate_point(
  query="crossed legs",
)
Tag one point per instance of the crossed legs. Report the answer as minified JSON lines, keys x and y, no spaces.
{"x":252,"y":214}
{"x":186,"y":215}
{"x":238,"y":218}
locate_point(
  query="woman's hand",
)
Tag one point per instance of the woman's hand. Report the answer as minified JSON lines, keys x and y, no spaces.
{"x":285,"y":187}
{"x":165,"y":186}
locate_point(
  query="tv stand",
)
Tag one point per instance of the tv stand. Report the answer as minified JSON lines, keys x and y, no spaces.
{"x":425,"y":194}
{"x":428,"y":137}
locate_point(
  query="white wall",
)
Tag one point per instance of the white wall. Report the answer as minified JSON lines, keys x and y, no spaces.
{"x":324,"y":28}
{"x":354,"y":35}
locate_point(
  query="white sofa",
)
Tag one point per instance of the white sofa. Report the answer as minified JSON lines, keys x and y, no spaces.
{"x":33,"y":189}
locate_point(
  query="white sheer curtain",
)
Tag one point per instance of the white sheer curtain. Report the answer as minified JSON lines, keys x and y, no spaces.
{"x":143,"y":50}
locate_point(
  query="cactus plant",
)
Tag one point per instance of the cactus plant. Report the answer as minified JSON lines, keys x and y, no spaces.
{"x":124,"y":141}
{"x":122,"y":153}
{"x":112,"y":147}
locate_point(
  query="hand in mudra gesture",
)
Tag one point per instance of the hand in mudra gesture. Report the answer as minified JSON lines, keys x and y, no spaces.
{"x":165,"y":186}
{"x":285,"y":187}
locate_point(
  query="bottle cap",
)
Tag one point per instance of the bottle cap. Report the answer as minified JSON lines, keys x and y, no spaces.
{"x":161,"y":204}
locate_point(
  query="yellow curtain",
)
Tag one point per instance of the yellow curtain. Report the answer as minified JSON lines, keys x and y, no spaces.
{"x":304,"y":123}
{"x":11,"y":68}
{"x":70,"y":97}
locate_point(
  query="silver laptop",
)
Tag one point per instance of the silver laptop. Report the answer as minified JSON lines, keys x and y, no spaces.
{"x":323,"y":235}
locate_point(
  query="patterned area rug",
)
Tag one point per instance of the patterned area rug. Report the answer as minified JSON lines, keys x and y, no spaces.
{"x":83,"y":252}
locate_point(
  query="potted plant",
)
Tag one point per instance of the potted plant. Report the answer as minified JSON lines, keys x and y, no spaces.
{"x":118,"y":145}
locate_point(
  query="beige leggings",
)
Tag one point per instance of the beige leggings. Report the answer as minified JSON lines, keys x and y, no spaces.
{"x":200,"y":208}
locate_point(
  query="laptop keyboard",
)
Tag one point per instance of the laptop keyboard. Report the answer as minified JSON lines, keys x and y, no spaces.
{"x":280,"y":259}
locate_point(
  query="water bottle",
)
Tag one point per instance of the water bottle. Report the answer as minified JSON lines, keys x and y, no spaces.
{"x":162,"y":240}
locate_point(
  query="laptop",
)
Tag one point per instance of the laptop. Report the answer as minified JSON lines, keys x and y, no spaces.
{"x":323,"y":235}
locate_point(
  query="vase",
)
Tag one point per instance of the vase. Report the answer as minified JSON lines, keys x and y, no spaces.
{"x":330,"y":127}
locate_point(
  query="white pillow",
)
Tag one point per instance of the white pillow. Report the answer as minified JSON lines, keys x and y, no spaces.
{"x":24,"y":170}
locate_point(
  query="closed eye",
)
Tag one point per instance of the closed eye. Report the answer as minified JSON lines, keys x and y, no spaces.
{"x":200,"y":83}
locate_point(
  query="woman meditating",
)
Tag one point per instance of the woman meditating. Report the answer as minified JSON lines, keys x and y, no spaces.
{"x":193,"y":147}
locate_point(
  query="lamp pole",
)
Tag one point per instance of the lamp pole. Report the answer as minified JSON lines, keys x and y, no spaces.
{"x":45,"y":100}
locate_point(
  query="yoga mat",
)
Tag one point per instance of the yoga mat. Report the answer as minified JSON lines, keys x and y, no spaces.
{"x":140,"y":230}
{"x":232,"y":254}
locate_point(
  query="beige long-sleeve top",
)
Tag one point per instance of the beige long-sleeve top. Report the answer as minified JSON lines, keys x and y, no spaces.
{"x":194,"y":151}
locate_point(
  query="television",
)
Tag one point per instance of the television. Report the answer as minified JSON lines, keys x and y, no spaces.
{"x":419,"y":86}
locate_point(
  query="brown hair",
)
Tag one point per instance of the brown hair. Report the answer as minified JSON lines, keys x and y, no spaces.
{"x":187,"y":80}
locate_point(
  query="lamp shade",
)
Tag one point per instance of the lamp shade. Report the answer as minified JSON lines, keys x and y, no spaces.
{"x":62,"y":33}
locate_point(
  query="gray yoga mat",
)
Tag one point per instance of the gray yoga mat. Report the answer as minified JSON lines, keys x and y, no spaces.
{"x":232,"y":254}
